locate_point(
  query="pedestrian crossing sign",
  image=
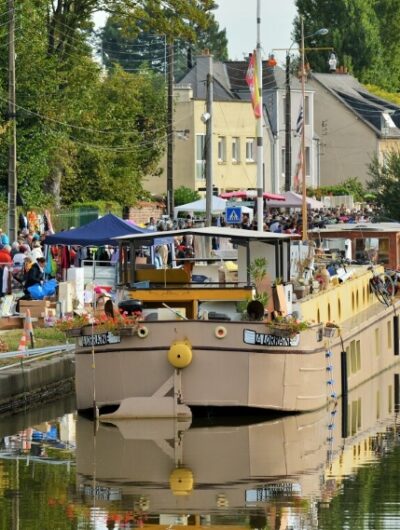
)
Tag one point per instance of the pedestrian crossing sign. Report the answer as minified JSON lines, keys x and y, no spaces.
{"x":233,"y":214}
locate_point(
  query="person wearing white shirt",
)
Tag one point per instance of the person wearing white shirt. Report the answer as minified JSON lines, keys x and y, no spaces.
{"x":36,"y":251}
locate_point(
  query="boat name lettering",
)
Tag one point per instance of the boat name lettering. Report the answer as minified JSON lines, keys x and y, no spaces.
{"x":102,"y":492}
{"x":266,"y":339}
{"x":264,"y":493}
{"x":99,"y":339}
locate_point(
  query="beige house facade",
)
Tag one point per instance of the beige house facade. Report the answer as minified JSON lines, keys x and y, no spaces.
{"x":352,"y":125}
{"x":234,"y":131}
{"x":233,"y":145}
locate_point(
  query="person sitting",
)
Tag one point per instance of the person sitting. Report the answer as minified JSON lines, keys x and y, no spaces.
{"x":21,"y":274}
{"x":35,"y":275}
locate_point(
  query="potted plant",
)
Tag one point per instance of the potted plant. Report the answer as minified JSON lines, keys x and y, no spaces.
{"x":330,"y":329}
{"x":84,"y":324}
{"x":287,"y":326}
{"x":258,"y":273}
{"x":72,"y":324}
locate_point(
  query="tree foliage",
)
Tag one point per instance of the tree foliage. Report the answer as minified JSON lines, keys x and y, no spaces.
{"x":363,"y":34}
{"x":183,"y":195}
{"x":385,"y":183}
{"x":351,"y":186}
{"x":81,"y":134}
{"x":131,"y":49}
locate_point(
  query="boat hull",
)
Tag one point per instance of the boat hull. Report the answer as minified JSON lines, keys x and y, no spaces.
{"x":235,"y":364}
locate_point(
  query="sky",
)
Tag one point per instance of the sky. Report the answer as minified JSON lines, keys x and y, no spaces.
{"x":239,"y":17}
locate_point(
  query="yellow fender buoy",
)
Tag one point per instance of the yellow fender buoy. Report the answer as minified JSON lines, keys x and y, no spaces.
{"x":220,"y":332}
{"x":142,"y":332}
{"x":181,"y":481}
{"x":180,"y":354}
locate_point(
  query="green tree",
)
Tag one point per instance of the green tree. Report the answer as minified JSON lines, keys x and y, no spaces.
{"x":183,"y":195}
{"x":358,"y":32}
{"x":131,"y":48}
{"x":76,"y":137}
{"x":385,"y":183}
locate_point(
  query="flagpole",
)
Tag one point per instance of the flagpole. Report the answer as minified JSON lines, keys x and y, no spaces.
{"x":260,"y":148}
{"x":303,"y":142}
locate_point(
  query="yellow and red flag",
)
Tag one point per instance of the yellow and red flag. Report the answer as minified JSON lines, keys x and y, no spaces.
{"x":252,"y":81}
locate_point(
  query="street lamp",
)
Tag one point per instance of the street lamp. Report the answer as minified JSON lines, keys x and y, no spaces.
{"x":288,"y":107}
{"x":322,"y":31}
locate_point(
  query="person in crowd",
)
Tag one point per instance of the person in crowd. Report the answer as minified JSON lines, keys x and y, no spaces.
{"x":245,"y":224}
{"x":35,"y":274}
{"x":19,"y":256}
{"x":151,"y":225}
{"x":4,"y":240}
{"x":5,"y":255}
{"x":36,"y":251}
{"x":21,"y":274}
{"x":275,"y":225}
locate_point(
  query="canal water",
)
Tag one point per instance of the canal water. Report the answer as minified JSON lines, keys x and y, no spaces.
{"x":332,"y":469}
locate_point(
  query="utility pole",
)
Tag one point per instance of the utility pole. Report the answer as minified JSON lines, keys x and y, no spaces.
{"x":288,"y":127}
{"x":170,"y":131}
{"x":304,"y":212}
{"x":12,"y":150}
{"x":259,"y":129}
{"x":209,"y":142}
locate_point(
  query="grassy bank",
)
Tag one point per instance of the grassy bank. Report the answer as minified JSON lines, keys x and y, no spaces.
{"x":42,"y":337}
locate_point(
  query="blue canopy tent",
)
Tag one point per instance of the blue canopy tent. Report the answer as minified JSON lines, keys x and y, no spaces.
{"x":96,"y":233}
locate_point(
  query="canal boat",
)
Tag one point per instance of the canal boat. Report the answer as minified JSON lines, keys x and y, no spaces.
{"x":194,"y":347}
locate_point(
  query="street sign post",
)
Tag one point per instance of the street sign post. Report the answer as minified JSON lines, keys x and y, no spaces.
{"x":233,"y":215}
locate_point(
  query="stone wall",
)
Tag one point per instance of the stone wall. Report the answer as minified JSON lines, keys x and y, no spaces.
{"x":142,"y":212}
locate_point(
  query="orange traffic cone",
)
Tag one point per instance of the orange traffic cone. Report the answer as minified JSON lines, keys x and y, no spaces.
{"x":28,"y":322}
{"x":29,"y":328}
{"x":22,"y":343}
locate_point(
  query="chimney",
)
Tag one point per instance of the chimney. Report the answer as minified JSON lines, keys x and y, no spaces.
{"x":203,"y":67}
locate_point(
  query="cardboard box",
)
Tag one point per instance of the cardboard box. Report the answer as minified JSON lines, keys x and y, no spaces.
{"x":37,"y":307}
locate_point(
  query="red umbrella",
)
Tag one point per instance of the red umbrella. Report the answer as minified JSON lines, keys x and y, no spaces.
{"x":234,"y":195}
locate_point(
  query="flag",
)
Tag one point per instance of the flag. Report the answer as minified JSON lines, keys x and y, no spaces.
{"x":300,"y":121}
{"x":252,"y":81}
{"x":297,"y":171}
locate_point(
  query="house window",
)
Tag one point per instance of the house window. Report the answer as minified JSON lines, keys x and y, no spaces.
{"x":308,"y":161}
{"x":235,"y":149}
{"x":377,"y":341}
{"x":389,"y":334}
{"x":200,"y":156}
{"x":221,"y":149}
{"x":353,"y":355}
{"x":250,"y":150}
{"x":307,"y":110}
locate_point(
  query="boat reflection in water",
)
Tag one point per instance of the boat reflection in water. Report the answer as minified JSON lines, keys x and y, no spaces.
{"x":258,"y":475}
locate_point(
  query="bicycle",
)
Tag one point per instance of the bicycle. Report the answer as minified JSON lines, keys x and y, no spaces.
{"x":382,"y":286}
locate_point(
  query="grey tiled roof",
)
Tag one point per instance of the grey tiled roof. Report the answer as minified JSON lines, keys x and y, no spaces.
{"x":358,"y":100}
{"x":230,"y":80}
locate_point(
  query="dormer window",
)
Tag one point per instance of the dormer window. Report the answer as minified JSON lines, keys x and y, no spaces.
{"x":387,"y":122}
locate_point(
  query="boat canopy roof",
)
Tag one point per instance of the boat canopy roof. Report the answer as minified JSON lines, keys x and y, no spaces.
{"x":365,"y":227}
{"x":211,"y":231}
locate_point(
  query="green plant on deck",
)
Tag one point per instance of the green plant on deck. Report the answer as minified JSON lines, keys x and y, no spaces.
{"x":290,"y":324}
{"x":258,"y":273}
